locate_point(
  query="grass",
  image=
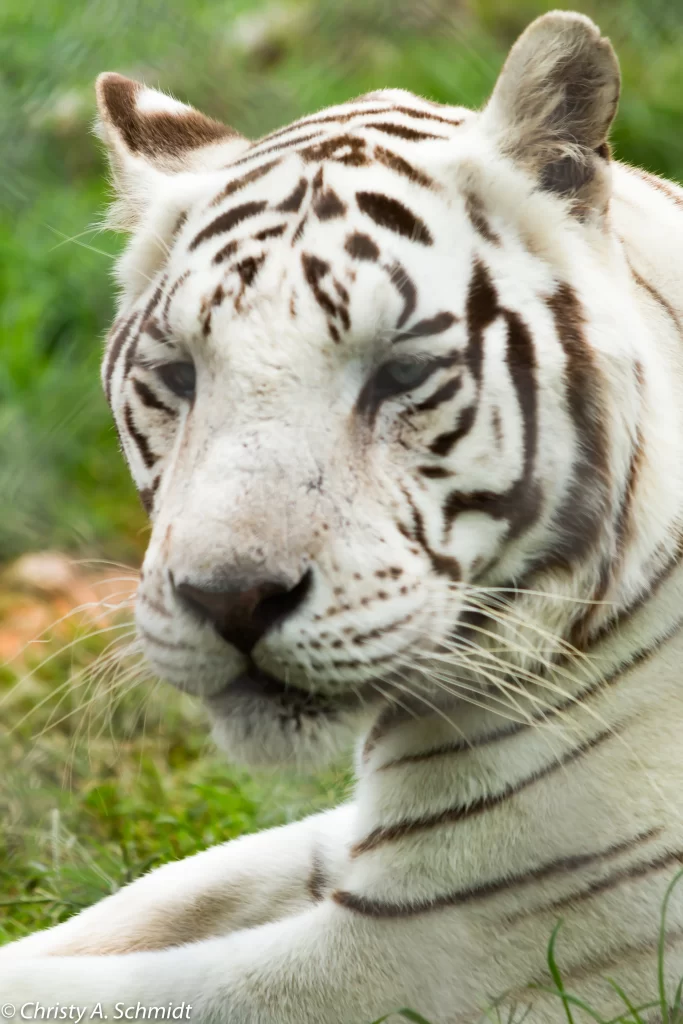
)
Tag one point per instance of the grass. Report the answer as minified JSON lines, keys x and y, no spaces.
{"x":92,"y":793}
{"x":104,"y":775}
{"x":668,"y":1006}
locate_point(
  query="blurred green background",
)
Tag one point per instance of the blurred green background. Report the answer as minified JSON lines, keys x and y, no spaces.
{"x":97,"y":782}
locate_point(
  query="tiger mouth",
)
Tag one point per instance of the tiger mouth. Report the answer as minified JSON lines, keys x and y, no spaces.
{"x":253,"y":682}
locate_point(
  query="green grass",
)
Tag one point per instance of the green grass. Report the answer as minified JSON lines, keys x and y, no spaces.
{"x":667,"y":1005}
{"x":93,"y":794}
{"x":106,"y":776}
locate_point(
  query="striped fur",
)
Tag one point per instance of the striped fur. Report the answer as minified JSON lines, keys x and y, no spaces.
{"x":488,"y":561}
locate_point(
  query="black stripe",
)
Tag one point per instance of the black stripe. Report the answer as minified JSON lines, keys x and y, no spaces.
{"x":246,"y":179}
{"x":462,"y":897}
{"x":131,"y":348}
{"x":401,"y":131}
{"x":444,"y":443}
{"x":292,"y":203}
{"x":147,"y":495}
{"x":227,"y":251}
{"x":493,"y":503}
{"x":315,"y":270}
{"x":275,"y":232}
{"x":169,"y":297}
{"x":257,"y":151}
{"x":454,"y":815}
{"x":624,"y":520}
{"x":115,"y":347}
{"x":151,"y":327}
{"x":384,"y":108}
{"x":327,"y":205}
{"x":520,"y":503}
{"x":615,"y":624}
{"x":150,"y":399}
{"x":429,"y":116}
{"x":579,"y":634}
{"x":657,"y":296}
{"x":311,"y":122}
{"x":248,"y":268}
{"x":208,"y":307}
{"x":148,"y":456}
{"x":430,"y":326}
{"x":300,"y":229}
{"x":400,"y":166}
{"x":179,"y":225}
{"x":475,"y":211}
{"x":361,"y":247}
{"x":349,"y":150}
{"x":406,"y":288}
{"x":524,"y":497}
{"x":375,"y":634}
{"x":586,"y":510}
{"x":604,"y":884}
{"x":228,"y":220}
{"x":394,"y":216}
{"x":443,"y":565}
{"x":616,"y":956}
{"x":441,"y":395}
{"x":482,"y":308}
{"x":435,"y":472}
{"x":317,"y":880}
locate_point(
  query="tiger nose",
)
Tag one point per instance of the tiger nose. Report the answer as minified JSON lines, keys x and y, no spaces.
{"x":242,"y":610}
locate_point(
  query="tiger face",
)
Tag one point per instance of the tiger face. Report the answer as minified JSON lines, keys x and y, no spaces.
{"x":355,"y":380}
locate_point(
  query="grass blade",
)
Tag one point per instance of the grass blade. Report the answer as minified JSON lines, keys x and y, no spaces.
{"x":666,"y":1018}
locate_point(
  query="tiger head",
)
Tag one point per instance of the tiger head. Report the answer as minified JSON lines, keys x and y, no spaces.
{"x":369,"y":375}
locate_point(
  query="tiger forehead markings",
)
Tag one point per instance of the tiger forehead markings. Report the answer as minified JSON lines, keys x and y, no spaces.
{"x":292,"y":237}
{"x":401,"y":386}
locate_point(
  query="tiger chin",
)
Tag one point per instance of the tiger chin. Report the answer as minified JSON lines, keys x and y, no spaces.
{"x":401,"y":388}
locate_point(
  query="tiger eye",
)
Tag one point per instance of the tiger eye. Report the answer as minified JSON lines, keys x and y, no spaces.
{"x":399,"y":375}
{"x":180,"y":378}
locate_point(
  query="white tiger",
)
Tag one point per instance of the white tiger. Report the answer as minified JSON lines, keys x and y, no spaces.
{"x":401,"y":386}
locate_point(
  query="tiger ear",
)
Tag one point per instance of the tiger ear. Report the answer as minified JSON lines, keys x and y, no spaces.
{"x":553,"y":105}
{"x":151,"y":137}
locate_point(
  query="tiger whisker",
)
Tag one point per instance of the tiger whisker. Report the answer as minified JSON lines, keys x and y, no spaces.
{"x":67,"y":685}
{"x":108,"y":561}
{"x":120,"y":686}
{"x":76,"y":241}
{"x":525,"y":591}
{"x":74,"y":238}
{"x":93,"y":688}
{"x":79,"y":709}
{"x":486,"y":673}
{"x":86,"y":606}
{"x":509,"y":617}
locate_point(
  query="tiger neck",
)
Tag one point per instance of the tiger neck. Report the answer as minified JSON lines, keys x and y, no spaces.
{"x":468,"y":763}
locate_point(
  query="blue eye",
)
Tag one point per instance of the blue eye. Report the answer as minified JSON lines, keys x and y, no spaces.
{"x":180,"y":378}
{"x":399,"y":375}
